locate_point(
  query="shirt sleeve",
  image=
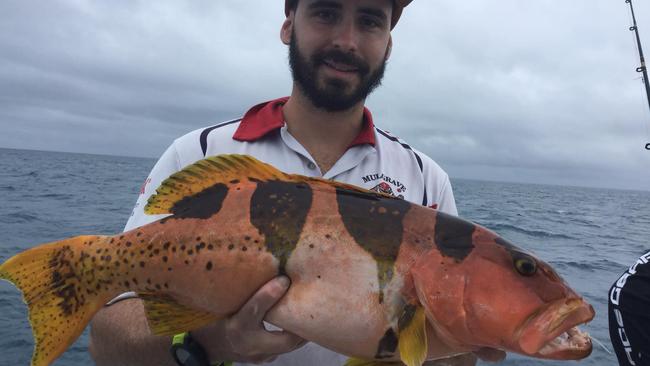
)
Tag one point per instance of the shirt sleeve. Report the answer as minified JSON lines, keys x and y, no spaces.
{"x":166,"y":166}
{"x":446,"y":200}
{"x":439,"y":194}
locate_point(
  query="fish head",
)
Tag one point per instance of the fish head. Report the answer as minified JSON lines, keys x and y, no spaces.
{"x":499,"y":296}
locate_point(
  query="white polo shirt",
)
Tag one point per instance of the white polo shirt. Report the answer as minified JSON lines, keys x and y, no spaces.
{"x":375,"y":160}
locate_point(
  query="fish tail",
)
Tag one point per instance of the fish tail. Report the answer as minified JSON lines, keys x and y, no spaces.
{"x":62,"y":290}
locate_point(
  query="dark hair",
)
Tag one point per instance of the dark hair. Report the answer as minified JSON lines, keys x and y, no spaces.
{"x":293,"y":4}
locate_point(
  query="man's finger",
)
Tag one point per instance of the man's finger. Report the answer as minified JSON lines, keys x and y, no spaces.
{"x":258,"y":305}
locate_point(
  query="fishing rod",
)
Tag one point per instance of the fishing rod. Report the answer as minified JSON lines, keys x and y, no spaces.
{"x":642,"y":69}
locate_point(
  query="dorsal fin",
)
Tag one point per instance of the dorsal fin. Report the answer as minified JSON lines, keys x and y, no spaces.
{"x":227,"y":169}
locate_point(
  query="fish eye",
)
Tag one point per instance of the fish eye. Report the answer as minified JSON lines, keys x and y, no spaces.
{"x":526,"y":266}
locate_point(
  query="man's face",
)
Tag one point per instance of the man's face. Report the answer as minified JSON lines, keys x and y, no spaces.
{"x":338,"y":50}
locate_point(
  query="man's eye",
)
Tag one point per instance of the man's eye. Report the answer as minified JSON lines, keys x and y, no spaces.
{"x":371,"y":23}
{"x":325,"y":15}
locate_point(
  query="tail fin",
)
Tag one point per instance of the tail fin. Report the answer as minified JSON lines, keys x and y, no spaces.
{"x":61,"y":289}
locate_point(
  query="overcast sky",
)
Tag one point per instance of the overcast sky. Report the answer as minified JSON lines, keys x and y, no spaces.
{"x":510,"y":90}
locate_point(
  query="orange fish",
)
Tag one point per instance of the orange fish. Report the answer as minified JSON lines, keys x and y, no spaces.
{"x":373,"y":277}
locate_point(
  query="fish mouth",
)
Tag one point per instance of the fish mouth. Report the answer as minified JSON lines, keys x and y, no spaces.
{"x":552,"y":333}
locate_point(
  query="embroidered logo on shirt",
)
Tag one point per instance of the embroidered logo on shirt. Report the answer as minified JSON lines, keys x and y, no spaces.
{"x":387,"y":185}
{"x":144,"y":185}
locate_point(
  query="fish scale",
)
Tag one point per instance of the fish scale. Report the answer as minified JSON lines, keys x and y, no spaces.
{"x":373,"y":277}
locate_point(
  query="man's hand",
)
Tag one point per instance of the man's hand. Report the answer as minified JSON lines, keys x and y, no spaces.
{"x":242,"y":337}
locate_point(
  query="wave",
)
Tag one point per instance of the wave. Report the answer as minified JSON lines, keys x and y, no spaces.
{"x":534,"y":233}
{"x":18,"y":218}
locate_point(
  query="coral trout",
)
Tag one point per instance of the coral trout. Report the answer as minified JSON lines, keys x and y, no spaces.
{"x":373,"y":277}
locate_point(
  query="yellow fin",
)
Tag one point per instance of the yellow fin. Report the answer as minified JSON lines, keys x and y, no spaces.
{"x":361,"y":362}
{"x":413,"y":340}
{"x":225,"y":169}
{"x":56,"y":281}
{"x":167,"y":317}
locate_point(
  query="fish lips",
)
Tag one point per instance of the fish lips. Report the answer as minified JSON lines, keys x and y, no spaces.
{"x":552,"y":333}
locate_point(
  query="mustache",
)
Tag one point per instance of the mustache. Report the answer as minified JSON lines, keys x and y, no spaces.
{"x":341,"y":57}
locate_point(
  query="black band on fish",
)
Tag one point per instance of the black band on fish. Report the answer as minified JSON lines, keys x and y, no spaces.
{"x":376,"y":224}
{"x":453,"y":236}
{"x":279,"y":211}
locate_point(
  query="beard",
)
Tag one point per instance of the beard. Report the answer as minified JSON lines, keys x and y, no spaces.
{"x":333,"y":95}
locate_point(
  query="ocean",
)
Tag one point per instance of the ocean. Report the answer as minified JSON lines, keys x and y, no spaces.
{"x":590,"y":236}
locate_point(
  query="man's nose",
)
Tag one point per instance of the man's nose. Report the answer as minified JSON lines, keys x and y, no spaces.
{"x":346,"y":36}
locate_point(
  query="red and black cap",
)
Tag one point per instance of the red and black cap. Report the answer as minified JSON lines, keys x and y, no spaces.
{"x":397,"y":9}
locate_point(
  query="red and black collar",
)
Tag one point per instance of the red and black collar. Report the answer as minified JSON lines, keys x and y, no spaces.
{"x":266,"y":117}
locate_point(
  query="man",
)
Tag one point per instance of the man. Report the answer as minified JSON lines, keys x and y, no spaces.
{"x":629,"y":314}
{"x":338,"y":51}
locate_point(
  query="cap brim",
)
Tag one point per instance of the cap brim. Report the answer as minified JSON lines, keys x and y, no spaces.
{"x":397,"y":10}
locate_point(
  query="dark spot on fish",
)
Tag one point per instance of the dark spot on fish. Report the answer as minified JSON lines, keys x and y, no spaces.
{"x":453,"y":236}
{"x":364,"y":217}
{"x":231,"y":247}
{"x":150,"y":246}
{"x":234,"y":181}
{"x":158,"y":287}
{"x":244,"y":248}
{"x":201,"y":245}
{"x":280,"y":219}
{"x":169,"y":269}
{"x":187,"y":262}
{"x":128,"y":243}
{"x":173,"y":249}
{"x":156,"y":251}
{"x":210,"y":247}
{"x":164,"y":258}
{"x":142,"y":264}
{"x":201,"y":205}
{"x":64,"y":281}
{"x":208,"y":266}
{"x":247,"y":238}
{"x":387,"y":345}
{"x":126,"y":283}
{"x":138,"y":234}
{"x":328,"y":236}
{"x":190,"y":252}
{"x":111,"y":242}
{"x":166,"y":245}
{"x":406,"y":317}
{"x":121,"y":237}
{"x":182,"y":247}
{"x":198,"y":238}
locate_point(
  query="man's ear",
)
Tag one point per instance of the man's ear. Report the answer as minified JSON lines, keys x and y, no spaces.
{"x":389,"y":49}
{"x":287,"y":29}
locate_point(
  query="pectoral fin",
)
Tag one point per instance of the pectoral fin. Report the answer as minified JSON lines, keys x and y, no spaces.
{"x":413,"y":340}
{"x":167,"y":317}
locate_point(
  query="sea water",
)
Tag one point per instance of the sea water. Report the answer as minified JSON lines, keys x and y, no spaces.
{"x":589,"y":235}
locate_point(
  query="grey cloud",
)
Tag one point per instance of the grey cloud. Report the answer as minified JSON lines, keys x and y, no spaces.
{"x":536,"y":91}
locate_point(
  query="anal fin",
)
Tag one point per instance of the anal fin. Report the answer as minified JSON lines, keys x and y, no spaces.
{"x":167,"y":317}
